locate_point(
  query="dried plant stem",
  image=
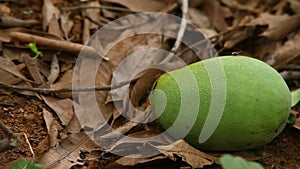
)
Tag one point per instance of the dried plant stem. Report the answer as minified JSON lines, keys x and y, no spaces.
{"x":55,"y":44}
{"x":46,"y":90}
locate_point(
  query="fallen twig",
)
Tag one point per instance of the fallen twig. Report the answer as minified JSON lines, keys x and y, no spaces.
{"x":9,"y":22}
{"x":47,"y":90}
{"x":82,"y":7}
{"x":56,"y":44}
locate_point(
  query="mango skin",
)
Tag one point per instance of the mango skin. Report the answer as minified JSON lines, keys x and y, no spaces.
{"x":257,"y":104}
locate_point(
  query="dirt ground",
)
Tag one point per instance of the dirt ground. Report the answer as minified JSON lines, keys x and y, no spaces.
{"x":24,"y":114}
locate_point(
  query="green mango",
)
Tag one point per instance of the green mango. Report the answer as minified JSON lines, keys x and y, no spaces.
{"x":226,"y":103}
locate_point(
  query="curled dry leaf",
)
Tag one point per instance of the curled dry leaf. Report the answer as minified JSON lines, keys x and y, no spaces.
{"x":54,"y":70}
{"x":192,"y":156}
{"x":52,"y":127}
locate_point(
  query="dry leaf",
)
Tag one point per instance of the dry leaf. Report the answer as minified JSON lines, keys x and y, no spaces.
{"x":143,"y":85}
{"x":54,"y":28}
{"x":198,"y":18}
{"x":189,"y":154}
{"x":54,"y":70}
{"x":133,"y":162}
{"x":216,"y":14}
{"x":4,"y":37}
{"x":33,"y":67}
{"x":5,"y":10}
{"x":64,"y":82}
{"x":7,"y":65}
{"x":66,"y":154}
{"x":52,"y":127}
{"x":49,"y":11}
{"x":66,"y":24}
{"x":279,"y":26}
{"x":74,"y":125}
{"x":288,"y":52}
{"x":141,"y":6}
{"x":62,"y":107}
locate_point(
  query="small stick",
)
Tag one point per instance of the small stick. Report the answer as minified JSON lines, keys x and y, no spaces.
{"x":56,"y":44}
{"x":29,"y":145}
{"x":82,"y":7}
{"x":46,"y":90}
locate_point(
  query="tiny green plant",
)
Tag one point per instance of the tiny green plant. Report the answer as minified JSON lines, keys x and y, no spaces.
{"x":24,"y":164}
{"x":230,"y":162}
{"x":28,"y":12}
{"x":34,"y":49}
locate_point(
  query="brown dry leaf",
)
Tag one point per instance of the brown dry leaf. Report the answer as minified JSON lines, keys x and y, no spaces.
{"x":238,"y":34}
{"x":52,"y":127}
{"x":297,"y":120}
{"x":216,"y":14}
{"x":140,"y":144}
{"x":67,"y":153}
{"x":4,"y":9}
{"x":189,"y":154}
{"x":54,"y":70}
{"x":246,"y":5}
{"x":288,"y":52}
{"x":93,"y":14}
{"x":12,"y":53}
{"x":7,"y":66}
{"x":142,"y":6}
{"x":143,"y":86}
{"x":198,"y":18}
{"x":62,"y":107}
{"x":33,"y":67}
{"x":90,"y":14}
{"x":297,"y":123}
{"x":49,"y":11}
{"x":279,"y":26}
{"x":295,"y":5}
{"x":74,"y":125}
{"x":66,"y":24}
{"x":54,"y":28}
{"x":131,"y":162}
{"x":8,"y":78}
{"x":64,"y":82}
{"x":4,"y":37}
